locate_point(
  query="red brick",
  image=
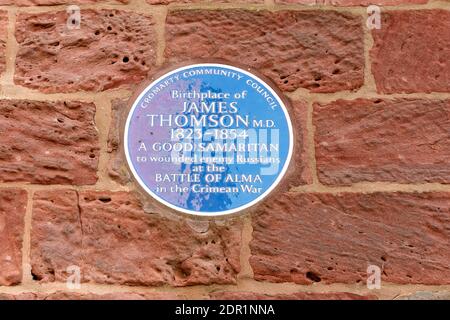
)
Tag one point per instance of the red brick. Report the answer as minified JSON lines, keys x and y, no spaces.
{"x":24,"y":3}
{"x":112,"y":240}
{"x":18,"y":296}
{"x":48,"y":142}
{"x":369,"y":2}
{"x":61,"y":295}
{"x":56,"y":234}
{"x":202,"y":1}
{"x":321,"y":51}
{"x":3,"y":39}
{"x":12,"y":214}
{"x":313,"y":2}
{"x":333,"y":238}
{"x":411,"y":52}
{"x":352,"y":2}
{"x":236,"y":295}
{"x":111,"y":49}
{"x":403,"y":141}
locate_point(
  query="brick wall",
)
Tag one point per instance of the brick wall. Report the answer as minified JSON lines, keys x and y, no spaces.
{"x":371,"y":178}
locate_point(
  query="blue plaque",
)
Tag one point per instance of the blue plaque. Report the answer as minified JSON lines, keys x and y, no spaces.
{"x":208,"y":139}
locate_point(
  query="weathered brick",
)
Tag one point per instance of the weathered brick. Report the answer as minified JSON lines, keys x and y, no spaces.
{"x":3,"y":38}
{"x":298,"y":1}
{"x":333,"y":238}
{"x":113,"y":240}
{"x":236,"y":295}
{"x":18,"y":296}
{"x":24,"y":3}
{"x":56,"y":234}
{"x":321,"y":51}
{"x":202,"y":1}
{"x":399,"y":140}
{"x":352,"y":2}
{"x":48,"y":142}
{"x":12,"y":214}
{"x":369,"y":2}
{"x":61,"y":295}
{"x":111,"y":49}
{"x":411,"y":51}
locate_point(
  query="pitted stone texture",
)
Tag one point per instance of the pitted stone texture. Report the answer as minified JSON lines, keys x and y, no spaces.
{"x":114,"y":241}
{"x":48,"y":142}
{"x":12,"y":214}
{"x":3,"y":38}
{"x":321,"y":51}
{"x":111,"y":49}
{"x":411,"y":52}
{"x":117,"y":167}
{"x":26,"y":3}
{"x":231,"y":295}
{"x":56,"y":235}
{"x":61,"y":295}
{"x":352,"y":2}
{"x":333,"y":238}
{"x":402,"y":141}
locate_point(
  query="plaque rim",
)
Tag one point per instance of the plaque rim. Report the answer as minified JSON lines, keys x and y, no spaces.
{"x":142,"y":90}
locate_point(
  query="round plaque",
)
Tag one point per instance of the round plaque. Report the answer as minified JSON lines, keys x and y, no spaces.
{"x":208,"y":139}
